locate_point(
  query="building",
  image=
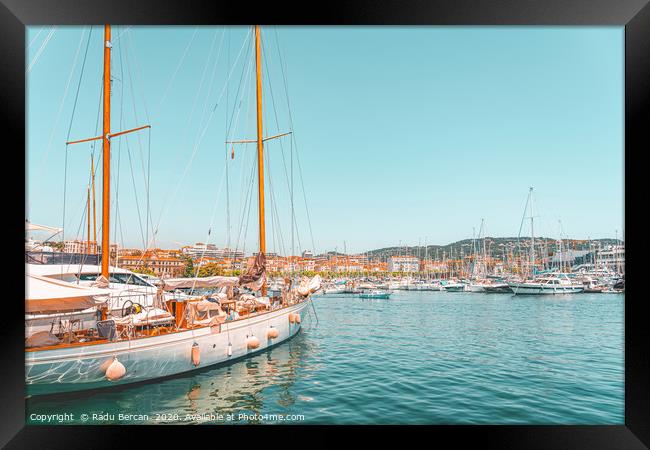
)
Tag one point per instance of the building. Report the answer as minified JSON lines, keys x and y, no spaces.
{"x":79,"y":246}
{"x":159,"y":263}
{"x":201,"y":250}
{"x":307,"y":254}
{"x":403,"y":264}
{"x":612,"y":257}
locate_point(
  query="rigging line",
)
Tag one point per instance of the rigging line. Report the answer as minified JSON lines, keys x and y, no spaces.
{"x":178,"y":66}
{"x":246,"y":69}
{"x":148,"y":184}
{"x":138,"y":71}
{"x":124,"y":30}
{"x":246,"y":38}
{"x":202,"y":79}
{"x":274,"y":209}
{"x":194,"y":150}
{"x":244,"y":196}
{"x":207,"y":238}
{"x":60,"y":110}
{"x":293,"y":219}
{"x":35,"y":37}
{"x":40,"y":50}
{"x":245,"y":94}
{"x":248,"y":200}
{"x":213,"y":77}
{"x":146,"y":172}
{"x":81,"y":74}
{"x":237,"y":104}
{"x":226,"y":147}
{"x":118,"y":223}
{"x":135,"y":193}
{"x":293,"y":136}
{"x":74,"y":108}
{"x":248,"y":214}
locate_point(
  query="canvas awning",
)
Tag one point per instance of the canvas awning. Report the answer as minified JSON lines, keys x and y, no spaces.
{"x":35,"y":227}
{"x":44,"y":295}
{"x":196,"y":283}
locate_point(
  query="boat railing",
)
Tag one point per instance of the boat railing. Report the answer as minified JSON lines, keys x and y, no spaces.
{"x":32,"y":257}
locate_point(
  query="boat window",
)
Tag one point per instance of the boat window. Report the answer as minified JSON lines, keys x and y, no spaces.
{"x":127,"y":278}
{"x":88,"y":277}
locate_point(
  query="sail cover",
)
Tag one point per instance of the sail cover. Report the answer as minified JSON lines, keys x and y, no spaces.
{"x":205,"y":282}
{"x":45,"y":295}
{"x":255,"y":276}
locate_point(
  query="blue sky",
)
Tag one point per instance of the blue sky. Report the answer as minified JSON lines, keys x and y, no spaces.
{"x":404,"y":134}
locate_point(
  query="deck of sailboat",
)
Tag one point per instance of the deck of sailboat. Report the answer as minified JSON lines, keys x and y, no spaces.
{"x":229,"y":323}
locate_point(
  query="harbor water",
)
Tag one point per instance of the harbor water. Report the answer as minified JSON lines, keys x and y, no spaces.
{"x":416,"y":358}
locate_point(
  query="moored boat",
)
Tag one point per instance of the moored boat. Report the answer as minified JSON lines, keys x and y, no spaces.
{"x":375,"y":293}
{"x":174,"y":334}
{"x":551,"y":284}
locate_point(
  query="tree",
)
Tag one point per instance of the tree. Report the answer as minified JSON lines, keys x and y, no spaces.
{"x":210,"y":270}
{"x":189,"y":267}
{"x":145,"y":270}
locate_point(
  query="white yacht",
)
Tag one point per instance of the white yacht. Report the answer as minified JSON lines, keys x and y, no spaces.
{"x":549,"y":284}
{"x":125,"y":290}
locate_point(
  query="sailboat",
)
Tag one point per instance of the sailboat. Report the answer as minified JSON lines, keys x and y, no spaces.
{"x":178,"y":334}
{"x":547,"y":284}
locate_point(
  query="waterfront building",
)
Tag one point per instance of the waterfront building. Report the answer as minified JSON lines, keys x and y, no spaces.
{"x":200,"y":250}
{"x":612,"y":257}
{"x":79,"y":246}
{"x":159,"y":262}
{"x":433,"y":266}
{"x":403,"y":264}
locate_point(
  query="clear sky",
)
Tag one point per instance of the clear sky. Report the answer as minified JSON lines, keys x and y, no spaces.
{"x":403,"y":134}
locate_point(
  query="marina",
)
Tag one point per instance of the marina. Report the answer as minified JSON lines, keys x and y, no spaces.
{"x":197,"y":267}
{"x":412,"y":359}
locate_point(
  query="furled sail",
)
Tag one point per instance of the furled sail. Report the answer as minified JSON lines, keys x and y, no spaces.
{"x":308,"y":287}
{"x":205,"y":282}
{"x":255,"y":276}
{"x":46,"y":295}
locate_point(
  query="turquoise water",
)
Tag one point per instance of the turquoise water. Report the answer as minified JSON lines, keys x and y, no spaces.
{"x":417,"y":358}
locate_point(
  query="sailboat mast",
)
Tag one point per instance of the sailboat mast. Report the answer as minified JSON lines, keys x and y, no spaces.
{"x":260,"y":145}
{"x":92,"y":178}
{"x":106,"y":153}
{"x":532,"y":235}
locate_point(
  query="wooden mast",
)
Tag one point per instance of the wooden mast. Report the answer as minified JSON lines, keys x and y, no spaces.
{"x":106,"y":150}
{"x":106,"y":158}
{"x":92,"y":178}
{"x":88,"y":235}
{"x":260,"y":146}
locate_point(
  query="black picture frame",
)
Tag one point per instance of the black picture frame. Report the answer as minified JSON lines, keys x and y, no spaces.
{"x":634,"y":15}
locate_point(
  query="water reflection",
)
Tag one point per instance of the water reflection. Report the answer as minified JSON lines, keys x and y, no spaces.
{"x":245,"y":387}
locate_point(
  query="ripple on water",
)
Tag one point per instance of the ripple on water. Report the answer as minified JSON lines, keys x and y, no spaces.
{"x":419,"y":357}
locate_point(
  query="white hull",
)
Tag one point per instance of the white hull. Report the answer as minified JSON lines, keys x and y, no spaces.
{"x":541,"y":289}
{"x":78,"y":368}
{"x":476,"y":288}
{"x":455,"y":288}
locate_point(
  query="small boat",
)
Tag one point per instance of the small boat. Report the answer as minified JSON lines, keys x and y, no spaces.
{"x":375,"y":293}
{"x":454,"y":286}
